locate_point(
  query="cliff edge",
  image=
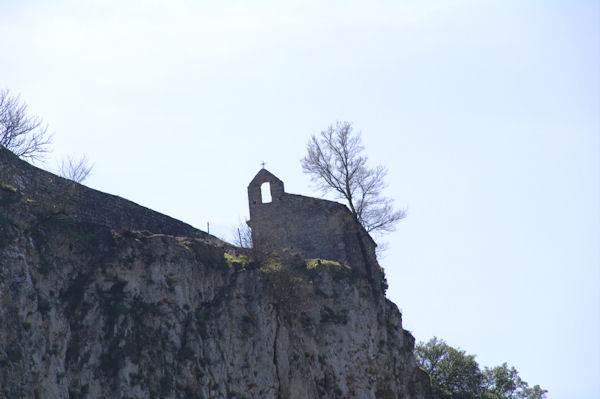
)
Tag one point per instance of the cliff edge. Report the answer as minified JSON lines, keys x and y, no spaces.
{"x":104,"y":305}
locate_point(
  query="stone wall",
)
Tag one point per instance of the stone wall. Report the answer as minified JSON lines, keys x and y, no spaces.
{"x":54,"y":195}
{"x":315,"y":227}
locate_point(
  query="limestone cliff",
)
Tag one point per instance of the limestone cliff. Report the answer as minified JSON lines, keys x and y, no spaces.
{"x":90,"y":309}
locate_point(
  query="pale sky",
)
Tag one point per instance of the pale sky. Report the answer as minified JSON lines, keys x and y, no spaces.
{"x":486,"y":113}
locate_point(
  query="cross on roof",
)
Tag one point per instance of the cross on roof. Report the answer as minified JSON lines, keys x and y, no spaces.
{"x":263,"y":164}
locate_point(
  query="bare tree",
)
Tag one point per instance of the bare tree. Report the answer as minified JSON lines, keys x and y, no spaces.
{"x":75,"y":169}
{"x":21,"y":133}
{"x":242,"y":236}
{"x":335,"y":163}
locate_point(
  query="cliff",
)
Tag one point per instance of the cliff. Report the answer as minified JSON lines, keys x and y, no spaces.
{"x":96,"y":304}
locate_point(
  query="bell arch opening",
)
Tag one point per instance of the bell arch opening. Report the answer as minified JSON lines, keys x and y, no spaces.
{"x":265,"y":193}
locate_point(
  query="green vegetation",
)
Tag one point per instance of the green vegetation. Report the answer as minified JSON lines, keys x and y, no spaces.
{"x":456,"y":375}
{"x":312,"y":263}
{"x":232,"y":258}
{"x":8,"y":187}
{"x":276,"y":264}
{"x":8,"y":194}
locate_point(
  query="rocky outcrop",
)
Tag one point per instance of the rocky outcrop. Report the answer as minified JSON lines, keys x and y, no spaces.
{"x":90,"y":311}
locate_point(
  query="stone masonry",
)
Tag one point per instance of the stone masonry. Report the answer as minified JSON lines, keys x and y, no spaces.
{"x":55,"y":196}
{"x":316,"y":228}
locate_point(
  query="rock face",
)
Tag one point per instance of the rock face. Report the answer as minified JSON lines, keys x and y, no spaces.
{"x":89,"y":310}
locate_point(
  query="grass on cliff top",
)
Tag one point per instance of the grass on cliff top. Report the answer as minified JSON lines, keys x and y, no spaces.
{"x":309,"y":264}
{"x":277,"y":262}
{"x":312,"y":263}
{"x":231,"y":258}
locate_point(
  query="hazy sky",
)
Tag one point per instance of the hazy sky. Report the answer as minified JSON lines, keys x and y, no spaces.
{"x":487,"y":114}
